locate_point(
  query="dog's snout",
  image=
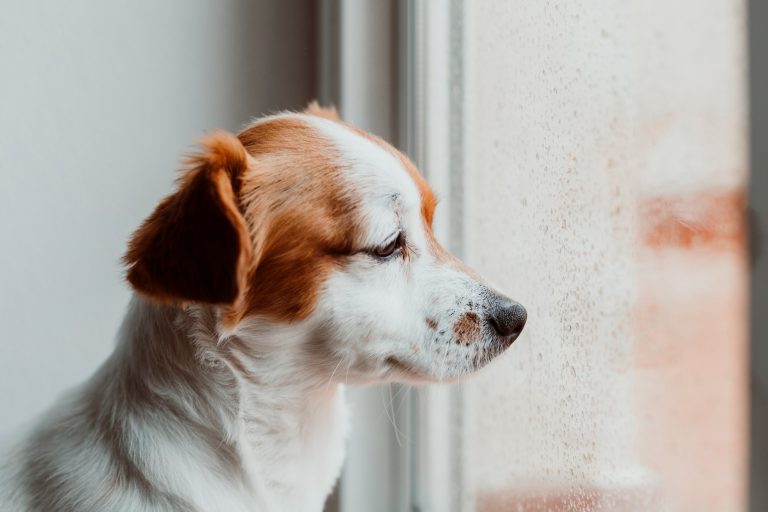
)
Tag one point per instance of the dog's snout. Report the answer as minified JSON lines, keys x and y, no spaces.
{"x":507,"y":318}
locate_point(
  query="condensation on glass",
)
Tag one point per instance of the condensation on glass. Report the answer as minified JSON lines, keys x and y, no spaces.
{"x":605,"y":169}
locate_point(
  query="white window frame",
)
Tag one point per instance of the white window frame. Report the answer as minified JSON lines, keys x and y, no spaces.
{"x":395,"y":68}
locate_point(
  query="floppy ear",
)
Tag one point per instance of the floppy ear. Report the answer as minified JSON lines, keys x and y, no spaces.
{"x":195,"y":246}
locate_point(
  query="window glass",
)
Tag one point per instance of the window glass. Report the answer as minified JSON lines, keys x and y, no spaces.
{"x":605,"y":169}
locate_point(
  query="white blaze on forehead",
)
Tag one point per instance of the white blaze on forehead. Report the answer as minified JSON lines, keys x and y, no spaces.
{"x":388,"y":196}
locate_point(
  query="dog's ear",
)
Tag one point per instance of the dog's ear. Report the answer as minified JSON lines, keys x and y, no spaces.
{"x":315,"y":109}
{"x":195,"y":245}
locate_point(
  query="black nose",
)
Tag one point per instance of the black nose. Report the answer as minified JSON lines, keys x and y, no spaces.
{"x":508,"y":318}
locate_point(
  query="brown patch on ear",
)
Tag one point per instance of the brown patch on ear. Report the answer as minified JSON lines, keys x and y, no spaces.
{"x":330,"y":113}
{"x":195,"y":245}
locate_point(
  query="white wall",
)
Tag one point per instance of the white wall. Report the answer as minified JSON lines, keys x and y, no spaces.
{"x":97,"y":102}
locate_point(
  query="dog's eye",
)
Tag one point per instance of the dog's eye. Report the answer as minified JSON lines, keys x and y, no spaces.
{"x":385,"y":251}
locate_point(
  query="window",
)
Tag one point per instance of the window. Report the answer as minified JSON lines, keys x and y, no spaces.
{"x":591,"y":161}
{"x":611,"y":177}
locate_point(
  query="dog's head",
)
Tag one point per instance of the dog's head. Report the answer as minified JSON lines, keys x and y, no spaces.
{"x":311,"y":233}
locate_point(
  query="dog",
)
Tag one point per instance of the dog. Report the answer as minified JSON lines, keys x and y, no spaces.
{"x":292,"y":259}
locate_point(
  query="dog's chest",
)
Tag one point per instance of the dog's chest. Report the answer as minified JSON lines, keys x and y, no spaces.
{"x":296,"y":469}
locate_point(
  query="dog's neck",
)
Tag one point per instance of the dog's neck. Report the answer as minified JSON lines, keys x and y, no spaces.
{"x":259,"y":416}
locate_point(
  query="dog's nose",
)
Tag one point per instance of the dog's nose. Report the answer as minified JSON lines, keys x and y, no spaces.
{"x":508,"y":318}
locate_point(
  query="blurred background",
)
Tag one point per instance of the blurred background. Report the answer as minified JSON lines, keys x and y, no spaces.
{"x":603,"y":163}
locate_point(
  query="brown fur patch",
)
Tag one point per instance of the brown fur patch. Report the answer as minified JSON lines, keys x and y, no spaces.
{"x":431,"y":323}
{"x":257,"y":223}
{"x":195,"y":246}
{"x":301,"y":217}
{"x":467,"y":328}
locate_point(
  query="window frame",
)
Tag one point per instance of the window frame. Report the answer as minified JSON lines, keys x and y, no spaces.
{"x":416,"y":102}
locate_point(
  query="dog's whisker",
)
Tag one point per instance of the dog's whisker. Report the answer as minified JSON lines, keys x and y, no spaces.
{"x":333,"y":373}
